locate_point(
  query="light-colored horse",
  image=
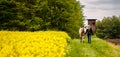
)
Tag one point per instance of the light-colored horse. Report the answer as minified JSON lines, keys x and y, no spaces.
{"x":82,"y":32}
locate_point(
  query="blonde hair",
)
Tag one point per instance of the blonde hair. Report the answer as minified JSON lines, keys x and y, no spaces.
{"x":88,"y":27}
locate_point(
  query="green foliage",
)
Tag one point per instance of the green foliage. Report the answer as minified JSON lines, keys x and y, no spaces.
{"x":34,"y":15}
{"x":109,"y":27}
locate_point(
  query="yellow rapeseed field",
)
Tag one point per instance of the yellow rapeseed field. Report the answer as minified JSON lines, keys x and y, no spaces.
{"x":33,"y":44}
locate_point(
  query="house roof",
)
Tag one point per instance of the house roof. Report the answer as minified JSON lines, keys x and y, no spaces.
{"x":91,"y":19}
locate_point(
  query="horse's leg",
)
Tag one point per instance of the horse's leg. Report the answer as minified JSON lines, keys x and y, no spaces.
{"x":81,"y":39}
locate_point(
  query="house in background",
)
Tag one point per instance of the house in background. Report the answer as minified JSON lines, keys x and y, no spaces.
{"x":92,"y":23}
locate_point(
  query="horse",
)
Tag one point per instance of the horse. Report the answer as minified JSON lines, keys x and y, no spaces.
{"x":82,"y":32}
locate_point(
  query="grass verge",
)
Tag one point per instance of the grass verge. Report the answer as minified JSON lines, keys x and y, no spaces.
{"x":98,"y":48}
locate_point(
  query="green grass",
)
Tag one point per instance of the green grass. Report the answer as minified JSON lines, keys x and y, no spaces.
{"x":98,"y":48}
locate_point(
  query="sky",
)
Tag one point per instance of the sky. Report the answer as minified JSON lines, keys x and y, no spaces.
{"x":98,"y":9}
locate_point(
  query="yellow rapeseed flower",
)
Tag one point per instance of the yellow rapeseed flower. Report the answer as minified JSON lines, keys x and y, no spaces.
{"x":33,"y":44}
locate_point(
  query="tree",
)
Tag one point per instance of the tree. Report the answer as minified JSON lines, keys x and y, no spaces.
{"x":109,"y":27}
{"x":34,"y":15}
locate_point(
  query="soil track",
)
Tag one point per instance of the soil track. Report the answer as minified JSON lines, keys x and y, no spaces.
{"x":114,"y":41}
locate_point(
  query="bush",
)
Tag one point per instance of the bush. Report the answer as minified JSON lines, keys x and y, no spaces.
{"x":109,"y":27}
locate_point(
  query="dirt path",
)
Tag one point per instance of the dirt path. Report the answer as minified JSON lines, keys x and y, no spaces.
{"x":114,"y":41}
